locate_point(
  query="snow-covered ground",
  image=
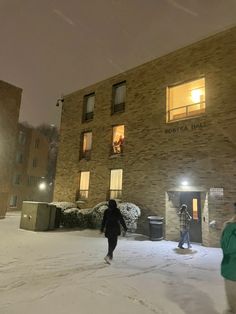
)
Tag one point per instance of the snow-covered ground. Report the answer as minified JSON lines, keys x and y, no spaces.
{"x":63,"y":272}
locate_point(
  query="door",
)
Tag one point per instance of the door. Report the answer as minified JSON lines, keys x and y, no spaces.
{"x":193,"y":201}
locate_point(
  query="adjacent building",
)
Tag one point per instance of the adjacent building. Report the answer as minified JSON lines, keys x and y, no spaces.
{"x":159,"y":135}
{"x":10,"y":100}
{"x":30,"y":167}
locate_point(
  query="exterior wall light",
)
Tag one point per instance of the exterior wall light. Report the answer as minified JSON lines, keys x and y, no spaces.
{"x":184,"y":183}
{"x":42,"y":186}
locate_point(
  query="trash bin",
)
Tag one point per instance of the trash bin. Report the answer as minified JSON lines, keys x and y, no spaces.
{"x":58,"y":217}
{"x":37,"y":216}
{"x":156,"y":228}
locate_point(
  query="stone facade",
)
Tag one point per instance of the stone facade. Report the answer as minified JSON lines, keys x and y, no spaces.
{"x":10,"y":99}
{"x":30,"y":168}
{"x":158,"y":155}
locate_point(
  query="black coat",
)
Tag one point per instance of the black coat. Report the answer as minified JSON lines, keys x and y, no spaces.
{"x":112,"y":219}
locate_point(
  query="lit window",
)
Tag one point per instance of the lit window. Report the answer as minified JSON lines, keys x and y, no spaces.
{"x":118,"y":139}
{"x":186,"y":100}
{"x":84,"y":184}
{"x":89,"y":101}
{"x":116,"y":183}
{"x":13,"y":201}
{"x":86,"y":145}
{"x":119,"y":97}
{"x":195,"y":208}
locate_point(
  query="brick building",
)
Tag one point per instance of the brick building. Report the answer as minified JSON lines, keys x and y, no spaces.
{"x":10,"y":99}
{"x":158,"y":135}
{"x":29,"y":168}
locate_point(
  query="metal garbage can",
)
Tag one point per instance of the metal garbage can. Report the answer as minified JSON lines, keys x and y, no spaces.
{"x":58,"y":217}
{"x":156,"y":228}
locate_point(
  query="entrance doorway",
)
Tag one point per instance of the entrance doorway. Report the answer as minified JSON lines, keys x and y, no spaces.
{"x":193,"y":201}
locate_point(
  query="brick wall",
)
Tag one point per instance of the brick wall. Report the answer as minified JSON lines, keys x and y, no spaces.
{"x":157,"y":155}
{"x":10,"y":98}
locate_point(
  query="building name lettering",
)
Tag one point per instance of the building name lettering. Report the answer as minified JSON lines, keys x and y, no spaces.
{"x":194,"y":126}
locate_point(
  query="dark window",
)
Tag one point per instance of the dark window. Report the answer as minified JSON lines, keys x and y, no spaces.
{"x":119,"y":97}
{"x":36,"y":144}
{"x":17,"y":179}
{"x":13,"y":201}
{"x":19,"y":157}
{"x":34,"y":163}
{"x":21,"y":138}
{"x":89,"y":101}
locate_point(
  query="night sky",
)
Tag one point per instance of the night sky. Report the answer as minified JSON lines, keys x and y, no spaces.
{"x":50,"y":47}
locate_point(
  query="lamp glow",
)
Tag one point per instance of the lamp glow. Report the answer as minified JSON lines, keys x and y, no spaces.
{"x":42,"y":186}
{"x":196,"y":95}
{"x":184,"y":183}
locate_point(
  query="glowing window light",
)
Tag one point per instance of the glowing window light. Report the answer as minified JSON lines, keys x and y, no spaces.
{"x":196,"y":95}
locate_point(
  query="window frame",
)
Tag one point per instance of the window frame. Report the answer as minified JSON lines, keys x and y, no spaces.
{"x":120,"y":191}
{"x":118,"y":108}
{"x":187,"y":117}
{"x":34,"y":163}
{"x":112,"y":152}
{"x":13,"y":204}
{"x":79,"y":196}
{"x":85,"y":101}
{"x":87,"y":154}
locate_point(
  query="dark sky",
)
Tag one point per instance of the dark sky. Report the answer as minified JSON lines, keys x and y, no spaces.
{"x":49,"y":47}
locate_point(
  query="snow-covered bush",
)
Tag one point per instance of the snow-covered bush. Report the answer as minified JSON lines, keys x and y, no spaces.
{"x":130,"y":212}
{"x":73,"y":217}
{"x":97,"y":214}
{"x":64,"y":205}
{"x":92,"y":218}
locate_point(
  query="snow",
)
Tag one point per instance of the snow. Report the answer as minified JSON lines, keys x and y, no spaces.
{"x":63,"y":272}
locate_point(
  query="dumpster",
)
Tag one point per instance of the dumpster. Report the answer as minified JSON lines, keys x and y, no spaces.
{"x":37,"y":216}
{"x":156,"y":228}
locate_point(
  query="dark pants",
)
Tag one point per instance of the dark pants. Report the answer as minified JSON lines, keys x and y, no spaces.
{"x":112,"y":242}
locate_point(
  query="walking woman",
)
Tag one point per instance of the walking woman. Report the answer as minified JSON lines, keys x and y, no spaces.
{"x":112,"y":219}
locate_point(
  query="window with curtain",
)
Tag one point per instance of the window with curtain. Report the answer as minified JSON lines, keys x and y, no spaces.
{"x":186,"y":100}
{"x":89,"y":101}
{"x":116,"y":183}
{"x":119,"y":97}
{"x":118,"y":139}
{"x":86,"y":145}
{"x":84,"y":184}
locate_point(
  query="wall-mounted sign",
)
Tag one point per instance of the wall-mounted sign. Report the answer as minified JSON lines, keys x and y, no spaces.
{"x":217,"y":192}
{"x":193,"y":126}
